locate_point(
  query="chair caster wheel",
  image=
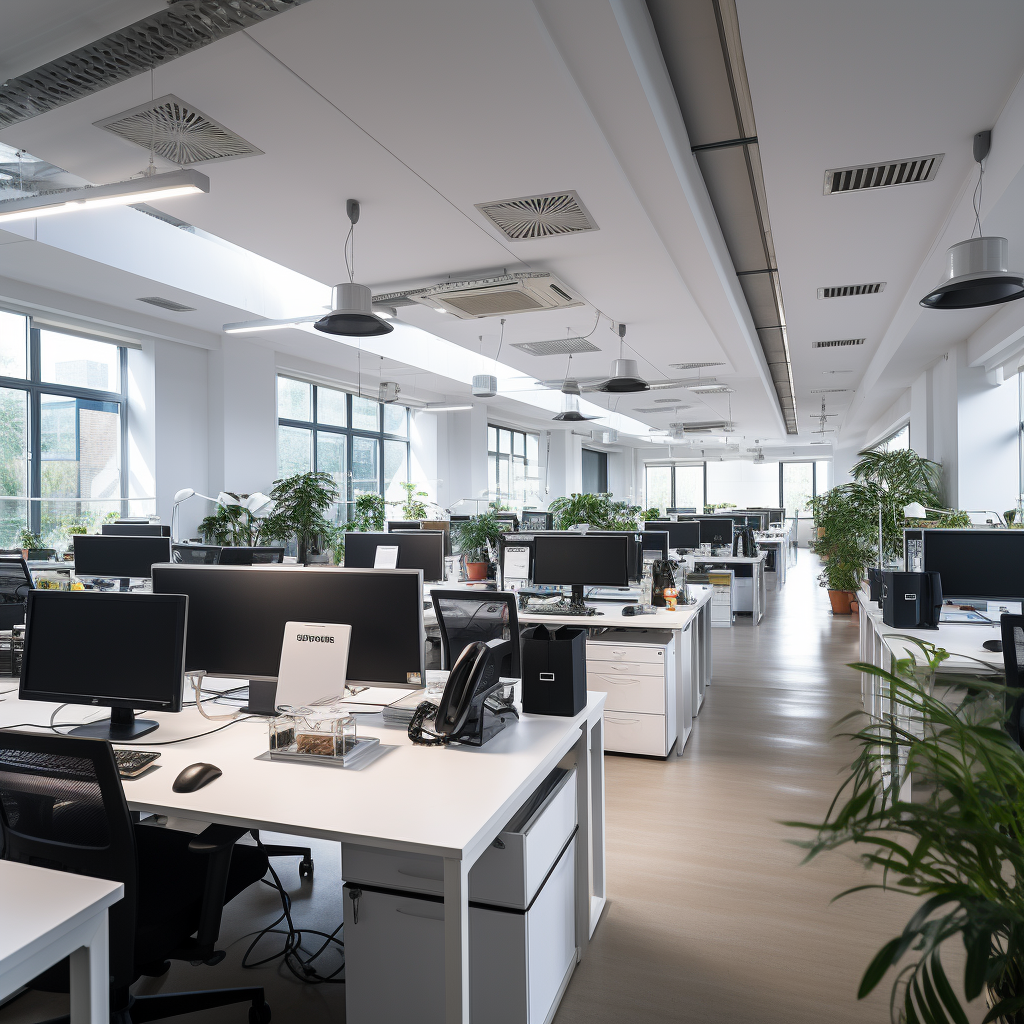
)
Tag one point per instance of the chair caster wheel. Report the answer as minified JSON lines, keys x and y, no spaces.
{"x":305,"y":869}
{"x":212,"y":961}
{"x":259,"y":1014}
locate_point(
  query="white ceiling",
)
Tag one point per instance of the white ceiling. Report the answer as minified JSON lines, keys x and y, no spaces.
{"x":423,"y":110}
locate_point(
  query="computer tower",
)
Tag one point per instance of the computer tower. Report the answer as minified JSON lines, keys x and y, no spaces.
{"x":911,"y":600}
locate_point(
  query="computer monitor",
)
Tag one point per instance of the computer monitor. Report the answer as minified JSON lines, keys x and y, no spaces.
{"x":580,"y":561}
{"x":751,"y":520}
{"x":973,"y":565}
{"x":15,"y":583}
{"x":634,"y":548}
{"x":251,"y":556}
{"x":417,"y":549}
{"x":113,"y":650}
{"x":195,"y":554}
{"x":404,"y":524}
{"x":508,"y":519}
{"x":776,"y":515}
{"x":656,"y":541}
{"x":125,"y":557}
{"x":680,"y":535}
{"x":441,"y":526}
{"x":716,"y":531}
{"x":683,"y":511}
{"x":135,"y":530}
{"x":237,"y":616}
{"x":536,"y":521}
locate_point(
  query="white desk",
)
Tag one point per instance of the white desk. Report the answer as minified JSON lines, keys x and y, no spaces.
{"x":449,"y":802}
{"x":47,"y":915}
{"x":780,"y":542}
{"x":759,"y":594}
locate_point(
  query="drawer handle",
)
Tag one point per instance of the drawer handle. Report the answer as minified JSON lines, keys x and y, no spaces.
{"x":623,"y":721}
{"x":624,"y":682}
{"x":426,"y":917}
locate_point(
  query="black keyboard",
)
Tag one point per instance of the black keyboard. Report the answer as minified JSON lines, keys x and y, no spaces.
{"x":567,"y":609}
{"x":129,"y":762}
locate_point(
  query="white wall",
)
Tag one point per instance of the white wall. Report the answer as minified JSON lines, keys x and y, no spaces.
{"x":743,"y":484}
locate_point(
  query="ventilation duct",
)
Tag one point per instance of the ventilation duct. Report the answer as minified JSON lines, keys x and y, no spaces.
{"x":871,"y":176}
{"x":524,"y":292}
{"x":558,"y":213}
{"x":182,"y":27}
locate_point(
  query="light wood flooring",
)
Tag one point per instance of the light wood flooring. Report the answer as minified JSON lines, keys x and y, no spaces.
{"x":711,"y":917}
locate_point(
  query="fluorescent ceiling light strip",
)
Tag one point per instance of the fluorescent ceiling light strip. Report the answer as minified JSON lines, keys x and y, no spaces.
{"x":445,"y":408}
{"x":120,"y":193}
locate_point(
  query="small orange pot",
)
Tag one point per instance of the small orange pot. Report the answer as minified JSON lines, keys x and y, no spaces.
{"x":841,"y":601}
{"x":476,"y":570}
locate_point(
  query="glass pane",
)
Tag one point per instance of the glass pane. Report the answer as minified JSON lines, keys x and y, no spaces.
{"x":396,"y":420}
{"x":492,"y":439}
{"x":796,"y":487}
{"x":13,"y":344}
{"x":293,"y":454}
{"x":518,"y":443}
{"x":332,"y":457}
{"x":13,"y":465}
{"x":492,"y":474}
{"x":396,"y":469}
{"x":331,"y":407}
{"x":690,"y":487}
{"x":821,"y":472}
{"x":294,"y":399}
{"x":79,"y":362}
{"x":518,"y":480}
{"x":504,"y":441}
{"x":502,"y":487}
{"x":658,"y":487}
{"x":365,"y":414}
{"x":365,"y":476}
{"x":900,"y":441}
{"x":532,"y":442}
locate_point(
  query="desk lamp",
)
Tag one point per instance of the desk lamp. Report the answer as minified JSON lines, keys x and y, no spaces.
{"x":184,"y":494}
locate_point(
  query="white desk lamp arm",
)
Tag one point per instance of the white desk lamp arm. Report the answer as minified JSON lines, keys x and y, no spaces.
{"x":196,"y":678}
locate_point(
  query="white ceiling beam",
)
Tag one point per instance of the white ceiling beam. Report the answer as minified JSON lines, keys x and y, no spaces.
{"x":989,"y":344}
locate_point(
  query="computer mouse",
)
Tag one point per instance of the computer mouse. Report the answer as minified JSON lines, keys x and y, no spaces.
{"x":195,"y":776}
{"x":993,"y":645}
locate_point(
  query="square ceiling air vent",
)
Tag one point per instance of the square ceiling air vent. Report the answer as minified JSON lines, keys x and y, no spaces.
{"x":557,"y":347}
{"x":174,"y":307}
{"x":176,"y":131}
{"x":885,"y":175}
{"x":557,"y":213}
{"x":841,"y":291}
{"x":838,"y":343}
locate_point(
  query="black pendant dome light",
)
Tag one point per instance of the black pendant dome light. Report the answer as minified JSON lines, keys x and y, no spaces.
{"x":353,"y":314}
{"x":976,"y":270}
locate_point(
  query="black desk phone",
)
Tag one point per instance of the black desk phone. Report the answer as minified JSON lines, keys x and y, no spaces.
{"x":471,"y":710}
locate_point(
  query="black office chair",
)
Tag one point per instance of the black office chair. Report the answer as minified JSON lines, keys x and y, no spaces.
{"x":62,"y":807}
{"x":468,"y":615}
{"x":1012,"y":629}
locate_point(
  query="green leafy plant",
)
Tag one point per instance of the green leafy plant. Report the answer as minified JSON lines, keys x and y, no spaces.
{"x":478,"y":536}
{"x":30,"y":540}
{"x":597,"y":510}
{"x":955,"y":519}
{"x":369,"y":513}
{"x":235,"y":526}
{"x":112,"y":517}
{"x":412,"y":507}
{"x":301,"y":505}
{"x":712,"y":509}
{"x":73,"y":530}
{"x":843,"y":525}
{"x":651,"y":513}
{"x":958,"y":846}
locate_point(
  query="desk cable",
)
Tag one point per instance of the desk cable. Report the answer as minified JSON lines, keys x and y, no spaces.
{"x":291,"y":951}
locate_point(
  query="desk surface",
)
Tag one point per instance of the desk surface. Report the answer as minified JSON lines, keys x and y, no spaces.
{"x":437,"y":800}
{"x":39,"y":903}
{"x":739,"y":559}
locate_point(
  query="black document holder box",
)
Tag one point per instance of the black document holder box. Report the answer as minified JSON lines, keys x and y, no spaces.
{"x":554,"y":670}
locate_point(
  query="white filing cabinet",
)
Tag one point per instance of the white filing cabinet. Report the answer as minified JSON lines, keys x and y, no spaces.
{"x":636,"y":668}
{"x":522,"y":924}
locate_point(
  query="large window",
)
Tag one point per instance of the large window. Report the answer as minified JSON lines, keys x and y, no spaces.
{"x":362,"y":443}
{"x":512,"y":466}
{"x":800,"y":481}
{"x":674,"y":487}
{"x":897,"y":441}
{"x":61,"y":431}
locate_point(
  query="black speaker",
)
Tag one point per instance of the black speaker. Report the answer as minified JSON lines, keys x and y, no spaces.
{"x":554,"y":667}
{"x":911,"y":600}
{"x":875,"y":585}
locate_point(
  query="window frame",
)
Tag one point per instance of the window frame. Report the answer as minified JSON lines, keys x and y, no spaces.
{"x":510,"y":459}
{"x":814,"y":478}
{"x":35,"y":387}
{"x":672,"y":480}
{"x":380,"y":436}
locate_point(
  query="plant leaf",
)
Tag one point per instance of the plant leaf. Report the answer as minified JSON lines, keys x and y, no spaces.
{"x":877,"y":968}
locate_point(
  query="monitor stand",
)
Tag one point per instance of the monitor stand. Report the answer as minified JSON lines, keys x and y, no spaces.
{"x":121,"y":727}
{"x":576,"y":602}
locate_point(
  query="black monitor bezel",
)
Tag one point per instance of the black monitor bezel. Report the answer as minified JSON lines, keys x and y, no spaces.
{"x":389,"y":540}
{"x":91,"y":539}
{"x":543,"y":539}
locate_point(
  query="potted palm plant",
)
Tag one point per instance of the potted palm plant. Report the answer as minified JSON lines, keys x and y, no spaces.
{"x":957,"y":846}
{"x":302,"y":502}
{"x":844,"y":526}
{"x":478,"y":539}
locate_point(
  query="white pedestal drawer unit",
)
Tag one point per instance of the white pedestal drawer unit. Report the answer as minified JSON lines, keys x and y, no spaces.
{"x":522,"y":923}
{"x":636,"y":668}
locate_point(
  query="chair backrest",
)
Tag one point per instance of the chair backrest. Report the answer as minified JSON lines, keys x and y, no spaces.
{"x":467,"y":615}
{"x":62,"y":807}
{"x":1012,"y":629}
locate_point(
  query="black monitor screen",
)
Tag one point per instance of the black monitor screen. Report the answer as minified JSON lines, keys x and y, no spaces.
{"x":135,"y":530}
{"x":716,"y":531}
{"x":536,"y":520}
{"x":112,"y":650}
{"x":237,"y":616}
{"x":581,"y":561}
{"x":656,"y":540}
{"x":634,"y":548}
{"x":404,"y":524}
{"x":131,"y":557}
{"x":776,"y":515}
{"x":680,"y":535}
{"x":417,"y":549}
{"x":195,"y":554}
{"x":977,"y":565}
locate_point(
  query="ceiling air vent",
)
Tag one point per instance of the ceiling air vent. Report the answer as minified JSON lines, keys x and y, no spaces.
{"x":831,"y":391}
{"x":558,"y":347}
{"x":885,"y":175}
{"x":671,"y":401}
{"x":174,"y":307}
{"x":838,"y":343}
{"x":712,"y":389}
{"x":178,"y":132}
{"x":693,"y":366}
{"x":521,"y":292}
{"x":558,"y":213}
{"x":842,"y":290}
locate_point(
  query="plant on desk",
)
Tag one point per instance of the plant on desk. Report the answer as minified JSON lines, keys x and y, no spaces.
{"x":302,"y":502}
{"x":369,"y":513}
{"x":596,"y":510}
{"x":234,"y":525}
{"x":958,"y":846}
{"x":478,"y":539}
{"x":413,"y":507}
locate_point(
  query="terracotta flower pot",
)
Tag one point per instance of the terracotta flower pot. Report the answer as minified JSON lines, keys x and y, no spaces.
{"x":476,"y":570}
{"x":841,"y":600}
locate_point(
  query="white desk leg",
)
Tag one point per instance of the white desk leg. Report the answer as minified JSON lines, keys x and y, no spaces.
{"x":456,"y":941}
{"x":708,"y":649}
{"x":597,"y":821}
{"x":686,"y":689}
{"x":90,"y":978}
{"x":588,"y":755}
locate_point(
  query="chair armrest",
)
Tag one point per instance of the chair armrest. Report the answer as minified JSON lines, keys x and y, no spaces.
{"x":216,"y":837}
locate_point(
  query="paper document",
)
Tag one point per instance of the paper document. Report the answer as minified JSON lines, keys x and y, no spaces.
{"x":386,"y":556}
{"x":517,"y":563}
{"x":314,"y":662}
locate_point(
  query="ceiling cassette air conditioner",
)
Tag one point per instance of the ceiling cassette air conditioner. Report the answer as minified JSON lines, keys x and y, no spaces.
{"x":498,"y":296}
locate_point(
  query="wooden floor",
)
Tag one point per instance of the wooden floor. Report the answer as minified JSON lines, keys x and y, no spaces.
{"x":711,"y":917}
